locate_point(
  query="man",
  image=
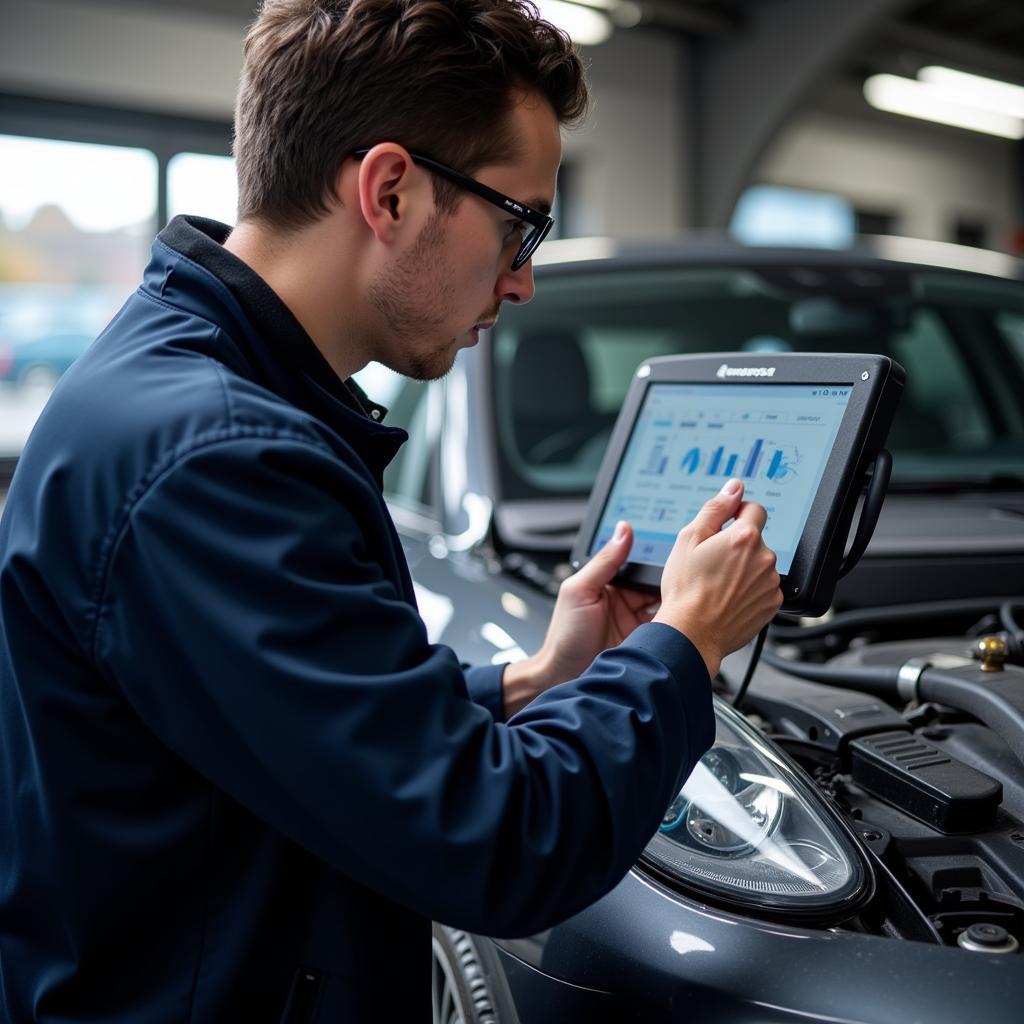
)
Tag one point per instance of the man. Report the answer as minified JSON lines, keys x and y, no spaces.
{"x":236,"y":780}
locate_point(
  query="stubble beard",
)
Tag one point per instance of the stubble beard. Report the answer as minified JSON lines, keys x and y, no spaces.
{"x":415,"y":298}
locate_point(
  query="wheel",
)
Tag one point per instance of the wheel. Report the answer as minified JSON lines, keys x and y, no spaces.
{"x":38,"y":377}
{"x":461,"y":993}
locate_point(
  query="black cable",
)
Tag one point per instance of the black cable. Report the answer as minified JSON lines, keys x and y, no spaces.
{"x":861,"y":617}
{"x":1014,"y":632}
{"x":755,"y":657}
{"x":1009,"y":619}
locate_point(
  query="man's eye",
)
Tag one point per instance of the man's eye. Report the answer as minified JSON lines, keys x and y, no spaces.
{"x":517,"y":227}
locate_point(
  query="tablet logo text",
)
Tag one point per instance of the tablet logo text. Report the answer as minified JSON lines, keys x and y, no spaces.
{"x":745,"y":371}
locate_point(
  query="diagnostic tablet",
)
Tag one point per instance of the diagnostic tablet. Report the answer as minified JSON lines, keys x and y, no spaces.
{"x":800,"y":431}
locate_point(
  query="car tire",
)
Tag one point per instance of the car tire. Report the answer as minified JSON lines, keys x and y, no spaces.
{"x":38,"y":377}
{"x":461,"y":989}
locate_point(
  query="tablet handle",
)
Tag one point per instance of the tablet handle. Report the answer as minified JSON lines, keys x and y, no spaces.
{"x":880,"y":473}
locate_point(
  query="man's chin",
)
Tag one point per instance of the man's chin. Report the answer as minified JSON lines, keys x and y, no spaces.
{"x":435,"y":366}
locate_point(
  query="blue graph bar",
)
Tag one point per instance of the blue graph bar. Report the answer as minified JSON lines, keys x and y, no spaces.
{"x":755,"y":453}
{"x":773,"y":466}
{"x":731,"y":465}
{"x":691,"y":460}
{"x":656,"y":464}
{"x":716,"y":461}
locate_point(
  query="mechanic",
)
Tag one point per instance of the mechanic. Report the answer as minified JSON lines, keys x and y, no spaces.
{"x":236,"y":780}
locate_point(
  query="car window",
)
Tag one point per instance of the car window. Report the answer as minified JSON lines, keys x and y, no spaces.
{"x":941,"y":408}
{"x":1011,"y":326}
{"x":563,"y":364}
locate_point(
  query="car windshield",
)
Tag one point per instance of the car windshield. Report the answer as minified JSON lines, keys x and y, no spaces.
{"x":562,"y":365}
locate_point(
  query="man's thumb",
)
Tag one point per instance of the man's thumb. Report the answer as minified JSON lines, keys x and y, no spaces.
{"x":607,"y":562}
{"x":717,"y":511}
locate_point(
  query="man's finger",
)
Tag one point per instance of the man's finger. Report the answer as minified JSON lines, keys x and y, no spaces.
{"x":606,"y":563}
{"x":753,"y":513}
{"x":717,"y":511}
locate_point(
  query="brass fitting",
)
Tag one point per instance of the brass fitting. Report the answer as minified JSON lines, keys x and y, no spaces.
{"x":992,"y":652}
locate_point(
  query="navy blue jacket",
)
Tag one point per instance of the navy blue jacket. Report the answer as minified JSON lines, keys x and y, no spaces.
{"x":236,"y":780}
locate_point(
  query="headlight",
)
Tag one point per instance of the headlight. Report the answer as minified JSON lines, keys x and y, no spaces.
{"x":749,"y":831}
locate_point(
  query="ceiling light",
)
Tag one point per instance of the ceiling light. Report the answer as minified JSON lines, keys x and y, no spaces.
{"x":585,"y":25}
{"x":932,"y":103}
{"x":975,"y":90}
{"x":623,"y":13}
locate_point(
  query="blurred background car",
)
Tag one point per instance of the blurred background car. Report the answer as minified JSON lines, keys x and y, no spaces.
{"x":803,"y":859}
{"x":39,"y":362}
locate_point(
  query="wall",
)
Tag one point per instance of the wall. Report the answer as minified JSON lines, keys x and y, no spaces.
{"x":144,"y":59}
{"x":630,"y":174}
{"x":928,"y":175}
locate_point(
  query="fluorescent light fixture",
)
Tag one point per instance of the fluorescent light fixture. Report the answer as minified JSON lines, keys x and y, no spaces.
{"x":624,"y":13}
{"x":931,"y":103}
{"x":586,"y":25}
{"x":976,"y":90}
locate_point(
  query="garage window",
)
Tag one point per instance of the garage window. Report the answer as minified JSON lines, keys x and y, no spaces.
{"x":76,"y":222}
{"x":83,"y":190}
{"x":202,"y":184}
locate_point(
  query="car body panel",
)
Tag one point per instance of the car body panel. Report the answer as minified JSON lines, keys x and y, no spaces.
{"x":657,"y":952}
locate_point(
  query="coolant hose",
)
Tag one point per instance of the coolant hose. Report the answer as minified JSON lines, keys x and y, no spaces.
{"x":995,"y":698}
{"x":881,"y":681}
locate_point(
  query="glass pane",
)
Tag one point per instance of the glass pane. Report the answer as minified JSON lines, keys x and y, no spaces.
{"x":202,"y":185}
{"x":76,"y":222}
{"x":1011,"y":327}
{"x":941,"y":409}
{"x":563,"y":364}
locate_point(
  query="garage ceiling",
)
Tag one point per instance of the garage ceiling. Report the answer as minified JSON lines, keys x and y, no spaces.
{"x":986,"y":36}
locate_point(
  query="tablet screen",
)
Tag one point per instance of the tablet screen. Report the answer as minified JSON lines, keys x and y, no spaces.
{"x":690,"y":438}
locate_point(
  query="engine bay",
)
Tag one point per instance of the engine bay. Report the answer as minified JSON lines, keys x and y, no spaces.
{"x":933,"y":788}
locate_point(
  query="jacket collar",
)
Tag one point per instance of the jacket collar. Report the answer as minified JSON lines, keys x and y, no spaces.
{"x":191,"y":269}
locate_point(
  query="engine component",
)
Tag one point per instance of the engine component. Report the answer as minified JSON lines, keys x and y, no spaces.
{"x":925,"y":782}
{"x":987,"y":938}
{"x":992,"y":652}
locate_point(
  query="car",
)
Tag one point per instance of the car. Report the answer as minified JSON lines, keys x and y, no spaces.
{"x":39,"y":362}
{"x":866,"y":863}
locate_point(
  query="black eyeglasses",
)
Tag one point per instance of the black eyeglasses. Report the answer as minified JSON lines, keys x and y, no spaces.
{"x":539,"y":223}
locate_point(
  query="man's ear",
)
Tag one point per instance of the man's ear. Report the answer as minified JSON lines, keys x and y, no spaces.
{"x":389,"y":190}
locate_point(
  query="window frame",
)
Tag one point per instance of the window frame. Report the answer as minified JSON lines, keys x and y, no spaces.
{"x":164,"y":135}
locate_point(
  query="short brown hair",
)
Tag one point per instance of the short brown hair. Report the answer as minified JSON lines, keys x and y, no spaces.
{"x":324,"y":77}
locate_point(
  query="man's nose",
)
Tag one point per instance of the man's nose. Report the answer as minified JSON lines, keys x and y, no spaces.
{"x":516,"y":285}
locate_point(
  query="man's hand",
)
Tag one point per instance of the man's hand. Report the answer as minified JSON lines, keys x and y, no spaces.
{"x":590,"y":616}
{"x":718,"y":589}
{"x":720,"y":586}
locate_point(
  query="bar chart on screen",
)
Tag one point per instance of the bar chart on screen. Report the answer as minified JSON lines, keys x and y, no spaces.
{"x":689,"y":440}
{"x":764,"y":460}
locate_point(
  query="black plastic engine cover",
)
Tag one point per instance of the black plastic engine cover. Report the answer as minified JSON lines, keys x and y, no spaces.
{"x":925,"y":782}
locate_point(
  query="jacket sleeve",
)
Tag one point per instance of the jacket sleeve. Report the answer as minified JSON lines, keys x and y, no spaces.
{"x":484,"y":683}
{"x":243,"y":615}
